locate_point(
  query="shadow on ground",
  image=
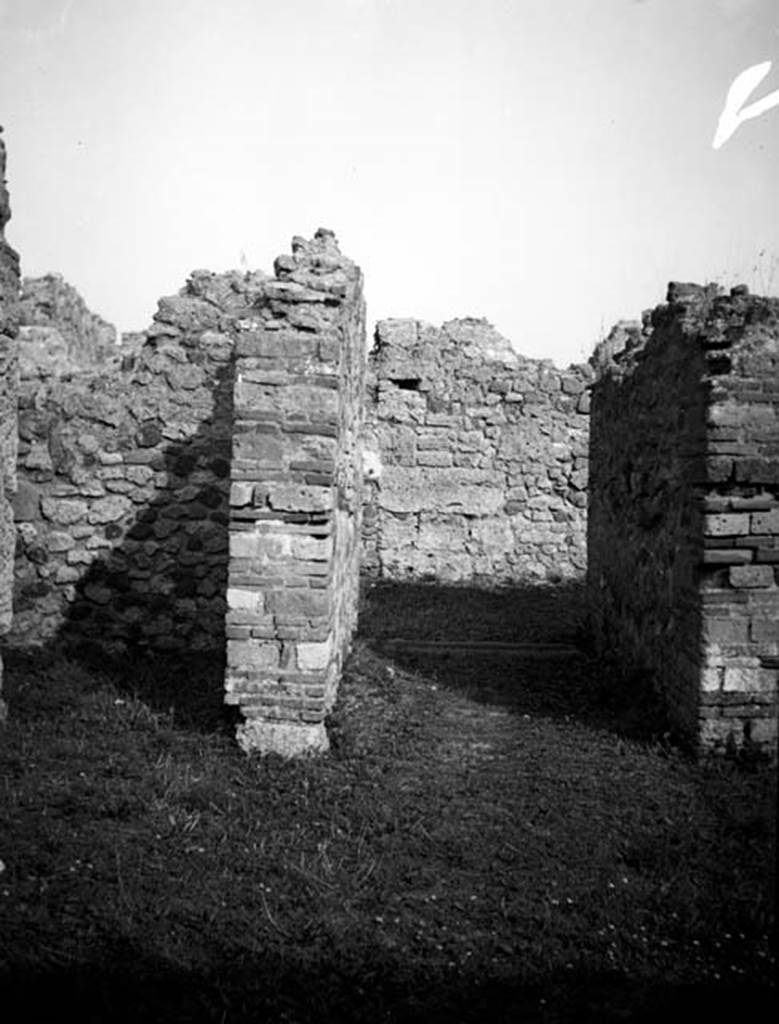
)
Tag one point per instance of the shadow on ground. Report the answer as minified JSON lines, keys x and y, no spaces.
{"x":530,"y":650}
{"x":555,"y":676}
{"x":186,"y":688}
{"x":377,"y":990}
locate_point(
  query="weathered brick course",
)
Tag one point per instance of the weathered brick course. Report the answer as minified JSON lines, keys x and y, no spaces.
{"x":296,"y":498}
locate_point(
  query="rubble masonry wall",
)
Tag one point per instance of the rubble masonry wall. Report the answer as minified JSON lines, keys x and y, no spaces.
{"x":484,"y":458}
{"x":127,"y":511}
{"x":122,"y":504}
{"x":58,"y":333}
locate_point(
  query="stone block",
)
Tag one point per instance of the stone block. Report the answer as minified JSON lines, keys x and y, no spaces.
{"x":770,"y":555}
{"x":287,"y":497}
{"x":434,"y":458}
{"x":748,"y":680}
{"x":718,"y":468}
{"x":314,"y":657}
{"x":765,"y":522}
{"x":276,"y":344}
{"x":727,"y":556}
{"x":247,"y":545}
{"x":286,"y":739}
{"x":254,"y":655}
{"x":67,"y":574}
{"x":752,"y":576}
{"x":726,"y":631}
{"x":298,"y":603}
{"x":241,"y":493}
{"x":245,"y":600}
{"x":766,"y":631}
{"x":109,"y":509}
{"x":64,"y":511}
{"x":59,"y":541}
{"x":312,"y":549}
{"x":26,"y":502}
{"x":711,"y":678}
{"x":758,"y":503}
{"x":726,"y":524}
{"x":265,"y":449}
{"x":470,"y":491}
{"x":757,"y":470}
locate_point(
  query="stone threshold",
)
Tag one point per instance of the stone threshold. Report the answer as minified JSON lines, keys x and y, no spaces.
{"x":536,"y":651}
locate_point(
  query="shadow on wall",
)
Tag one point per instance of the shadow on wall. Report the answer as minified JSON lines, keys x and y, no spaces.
{"x":683,"y":519}
{"x":144,"y":592}
{"x":644,"y":528}
{"x":154,"y":605}
{"x":525,"y":648}
{"x":122,"y":517}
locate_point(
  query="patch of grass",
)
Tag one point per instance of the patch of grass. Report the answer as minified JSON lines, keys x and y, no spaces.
{"x":479,"y":845}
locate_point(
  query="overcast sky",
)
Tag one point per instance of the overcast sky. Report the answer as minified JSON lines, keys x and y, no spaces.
{"x":546,"y":164}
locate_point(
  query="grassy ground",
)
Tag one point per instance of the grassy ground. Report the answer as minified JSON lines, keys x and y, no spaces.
{"x":485,"y":843}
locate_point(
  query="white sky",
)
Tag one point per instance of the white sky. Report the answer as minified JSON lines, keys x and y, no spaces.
{"x":547,"y":164}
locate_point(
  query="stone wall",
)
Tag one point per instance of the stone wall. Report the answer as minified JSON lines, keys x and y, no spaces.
{"x":484,"y":458}
{"x":9,"y":293}
{"x":59,"y":334}
{"x":296,"y":498}
{"x":684,"y":510}
{"x":125,"y":497}
{"x":122,"y":502}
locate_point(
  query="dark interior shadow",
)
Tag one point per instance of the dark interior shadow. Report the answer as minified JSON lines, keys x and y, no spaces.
{"x":647,"y":473}
{"x":524,"y":647}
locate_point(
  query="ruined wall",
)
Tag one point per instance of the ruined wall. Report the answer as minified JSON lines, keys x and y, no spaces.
{"x":484,"y":457}
{"x":122,"y":503}
{"x":9,"y":291}
{"x":684,"y":510}
{"x":59,"y":334}
{"x":125,"y":495}
{"x":296,"y":498}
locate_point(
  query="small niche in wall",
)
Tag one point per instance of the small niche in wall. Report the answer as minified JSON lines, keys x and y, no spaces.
{"x":407,"y":383}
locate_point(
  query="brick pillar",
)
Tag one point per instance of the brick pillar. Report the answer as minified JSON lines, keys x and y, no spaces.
{"x":296,"y":496}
